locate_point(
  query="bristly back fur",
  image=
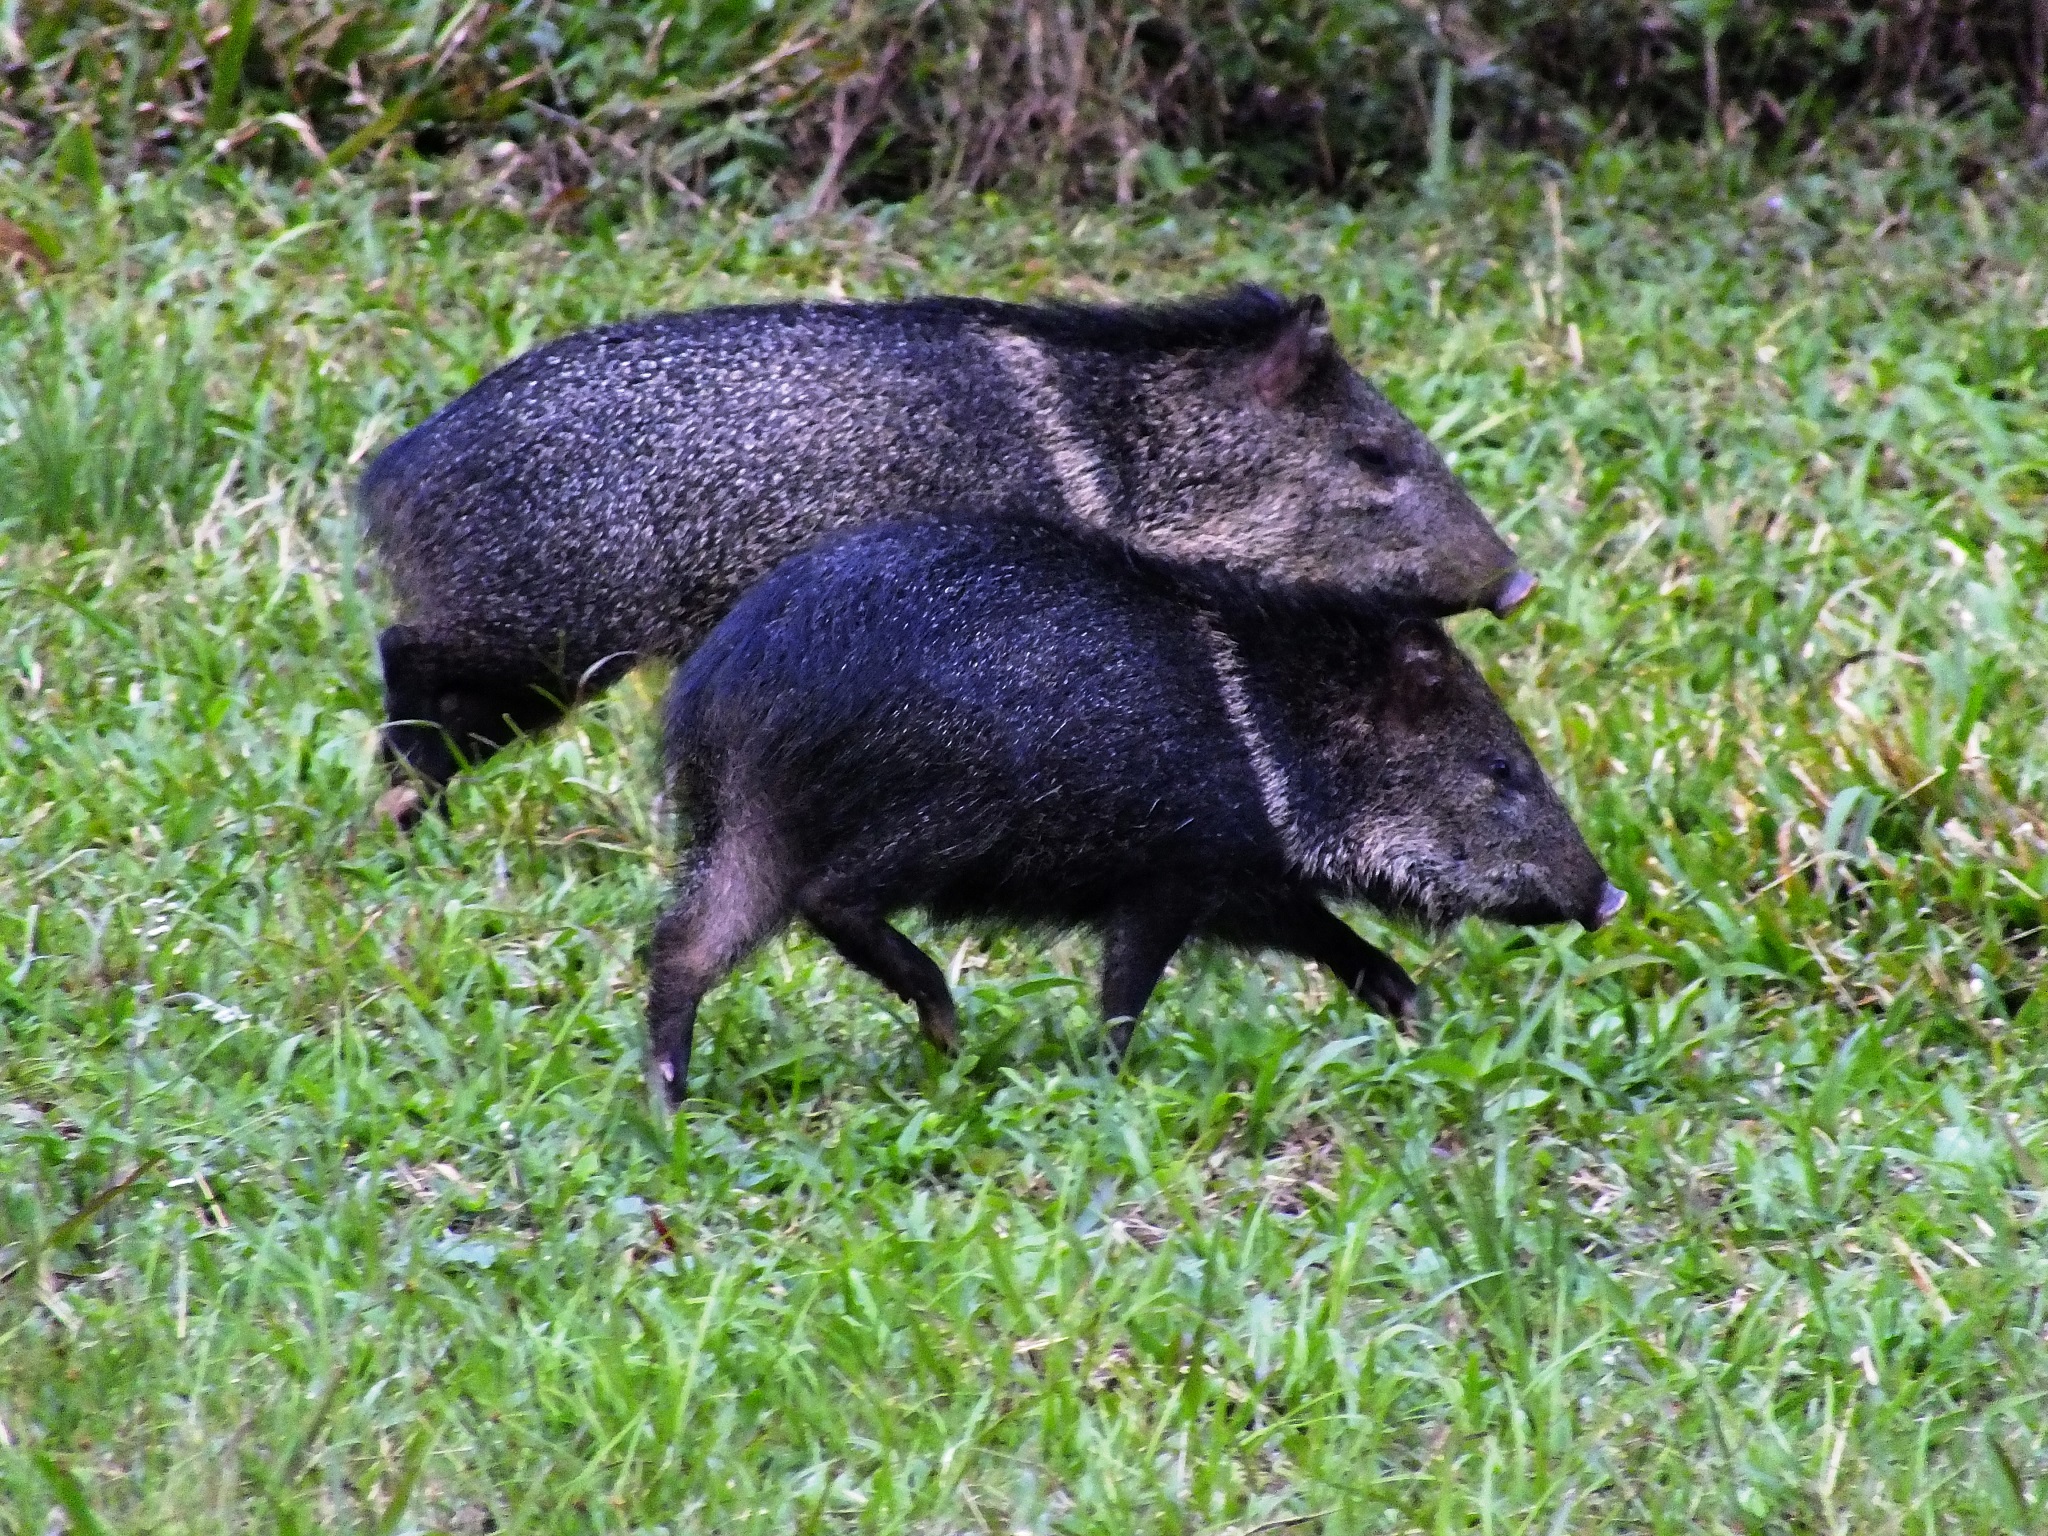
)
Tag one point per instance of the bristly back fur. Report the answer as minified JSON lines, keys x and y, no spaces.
{"x":1240,"y":319}
{"x":1235,"y":599}
{"x":1243,"y":318}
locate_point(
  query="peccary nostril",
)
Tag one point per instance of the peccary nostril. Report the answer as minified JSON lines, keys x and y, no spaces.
{"x":1612,"y":899}
{"x":1513,"y":592}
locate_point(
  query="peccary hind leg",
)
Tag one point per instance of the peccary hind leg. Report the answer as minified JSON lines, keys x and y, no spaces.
{"x":738,"y":897}
{"x":871,"y":944}
{"x":450,"y":704}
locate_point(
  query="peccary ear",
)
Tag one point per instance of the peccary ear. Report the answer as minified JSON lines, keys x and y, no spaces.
{"x":1421,"y":667}
{"x":1297,"y":354}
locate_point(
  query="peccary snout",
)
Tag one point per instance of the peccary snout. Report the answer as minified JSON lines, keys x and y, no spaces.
{"x":997,"y":717}
{"x":1612,"y":900}
{"x":1516,"y":590}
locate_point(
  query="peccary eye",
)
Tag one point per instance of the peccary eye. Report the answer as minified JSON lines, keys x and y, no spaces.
{"x":1503,"y":772}
{"x":1376,"y":462}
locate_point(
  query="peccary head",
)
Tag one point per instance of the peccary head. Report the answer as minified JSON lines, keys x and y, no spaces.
{"x":1275,"y":454}
{"x":1427,"y":799}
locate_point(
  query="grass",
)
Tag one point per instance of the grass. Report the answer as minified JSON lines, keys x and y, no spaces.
{"x":329,"y":1197}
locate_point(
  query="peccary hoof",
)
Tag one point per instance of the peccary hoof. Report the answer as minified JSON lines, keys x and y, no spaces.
{"x":1393,"y":994}
{"x":402,"y":805}
{"x":1404,"y":1005}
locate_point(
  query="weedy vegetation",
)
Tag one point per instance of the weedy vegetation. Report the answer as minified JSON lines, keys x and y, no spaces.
{"x":772,"y":100}
{"x":330,"y":1196}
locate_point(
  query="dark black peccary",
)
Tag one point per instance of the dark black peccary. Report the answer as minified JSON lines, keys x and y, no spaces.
{"x":607,"y":497}
{"x":1008,"y":718}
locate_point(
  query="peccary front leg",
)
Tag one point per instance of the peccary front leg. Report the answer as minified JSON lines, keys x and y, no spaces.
{"x":738,"y":898}
{"x":868,"y":942}
{"x":1301,"y":925}
{"x":450,"y":705}
{"x":1137,"y":942}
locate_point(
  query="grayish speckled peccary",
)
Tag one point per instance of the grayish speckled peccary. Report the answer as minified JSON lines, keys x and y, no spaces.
{"x":607,"y":497}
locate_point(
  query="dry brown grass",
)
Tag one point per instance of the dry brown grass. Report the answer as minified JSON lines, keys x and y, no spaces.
{"x":855,"y":99}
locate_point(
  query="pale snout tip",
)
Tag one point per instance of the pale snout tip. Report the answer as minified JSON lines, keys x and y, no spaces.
{"x":1612,"y":899}
{"x":1513,"y":592}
